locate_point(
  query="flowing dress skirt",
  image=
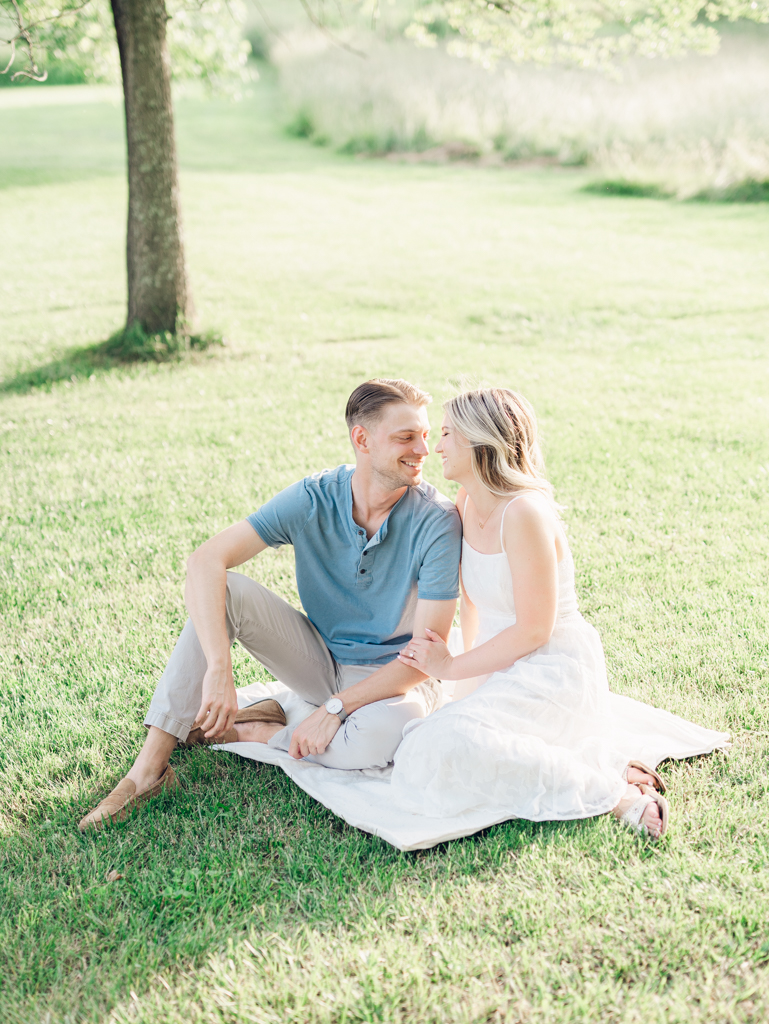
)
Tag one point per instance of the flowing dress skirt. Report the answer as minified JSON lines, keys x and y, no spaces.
{"x":543,"y":740}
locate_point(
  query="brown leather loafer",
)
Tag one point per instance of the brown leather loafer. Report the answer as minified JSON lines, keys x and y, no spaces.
{"x":123,"y":798}
{"x":266,"y":710}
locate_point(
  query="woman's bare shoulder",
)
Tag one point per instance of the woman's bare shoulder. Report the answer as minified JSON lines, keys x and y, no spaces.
{"x":528,"y":505}
{"x":529,"y":512}
{"x":531,"y":519}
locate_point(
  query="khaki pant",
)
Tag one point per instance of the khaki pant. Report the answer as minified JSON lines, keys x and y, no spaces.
{"x":291,"y":648}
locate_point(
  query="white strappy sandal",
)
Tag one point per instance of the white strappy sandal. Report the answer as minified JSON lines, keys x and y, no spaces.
{"x":633,"y":816}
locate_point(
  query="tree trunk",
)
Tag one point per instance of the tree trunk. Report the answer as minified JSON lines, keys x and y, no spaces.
{"x":158,"y":294}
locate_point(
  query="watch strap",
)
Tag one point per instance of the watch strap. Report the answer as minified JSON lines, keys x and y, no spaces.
{"x":341,"y":714}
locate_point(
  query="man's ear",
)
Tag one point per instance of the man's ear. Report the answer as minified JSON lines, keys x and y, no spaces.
{"x":359,"y":438}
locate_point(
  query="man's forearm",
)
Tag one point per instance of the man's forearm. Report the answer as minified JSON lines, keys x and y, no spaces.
{"x":205,"y":596}
{"x":392,"y":680}
{"x":395,"y":678}
{"x":206,"y":591}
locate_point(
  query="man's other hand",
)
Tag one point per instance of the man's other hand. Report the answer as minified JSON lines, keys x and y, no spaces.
{"x":220,"y":702}
{"x":314,"y":734}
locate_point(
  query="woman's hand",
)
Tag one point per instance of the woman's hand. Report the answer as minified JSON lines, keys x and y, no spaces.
{"x":430,"y":655}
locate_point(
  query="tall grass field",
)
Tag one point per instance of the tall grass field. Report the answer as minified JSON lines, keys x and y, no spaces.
{"x":637,"y":328}
{"x":694,"y":127}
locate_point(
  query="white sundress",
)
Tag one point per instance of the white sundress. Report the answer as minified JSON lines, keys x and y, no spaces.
{"x":544,"y":739}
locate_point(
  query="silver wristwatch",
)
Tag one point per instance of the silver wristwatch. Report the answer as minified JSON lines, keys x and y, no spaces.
{"x":334,"y":706}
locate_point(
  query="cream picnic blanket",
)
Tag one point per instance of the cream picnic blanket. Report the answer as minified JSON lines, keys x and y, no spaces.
{"x":361,"y":798}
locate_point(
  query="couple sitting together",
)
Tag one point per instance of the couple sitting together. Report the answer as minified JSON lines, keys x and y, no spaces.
{"x":532,"y":731}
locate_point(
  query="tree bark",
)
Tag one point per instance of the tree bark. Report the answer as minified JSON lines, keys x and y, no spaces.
{"x":158,"y":291}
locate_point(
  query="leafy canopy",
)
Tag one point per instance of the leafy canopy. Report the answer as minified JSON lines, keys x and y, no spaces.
{"x":589,"y":33}
{"x":75,"y":39}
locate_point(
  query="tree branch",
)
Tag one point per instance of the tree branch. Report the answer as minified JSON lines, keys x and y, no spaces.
{"x":7,"y":67}
{"x":265,"y":19}
{"x":319,"y":24}
{"x":24,"y":36}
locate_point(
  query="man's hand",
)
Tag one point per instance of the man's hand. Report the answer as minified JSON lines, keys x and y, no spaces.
{"x":314,"y":734}
{"x":220,"y":702}
{"x":429,"y":655}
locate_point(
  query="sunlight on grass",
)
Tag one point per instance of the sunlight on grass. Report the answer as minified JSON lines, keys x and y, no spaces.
{"x":638,"y":330}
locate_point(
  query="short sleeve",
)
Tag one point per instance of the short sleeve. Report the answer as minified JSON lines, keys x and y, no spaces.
{"x":439,"y":572}
{"x":283,"y":517}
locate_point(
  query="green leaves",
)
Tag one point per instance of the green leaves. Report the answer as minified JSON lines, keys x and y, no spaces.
{"x":588,"y":33}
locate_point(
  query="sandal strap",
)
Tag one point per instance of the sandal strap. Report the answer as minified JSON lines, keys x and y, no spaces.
{"x":659,"y":782}
{"x":633,"y":815}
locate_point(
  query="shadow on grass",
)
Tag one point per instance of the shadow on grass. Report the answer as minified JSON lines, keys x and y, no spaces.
{"x":240,"y":851}
{"x":750,"y":190}
{"x":77,"y":363}
{"x":31,"y":177}
{"x":621,"y":187}
{"x":127,"y":347}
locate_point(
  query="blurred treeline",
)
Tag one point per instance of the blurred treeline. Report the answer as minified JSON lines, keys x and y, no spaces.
{"x":696,"y":126}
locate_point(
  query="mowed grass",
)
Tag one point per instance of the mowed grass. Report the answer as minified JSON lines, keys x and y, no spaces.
{"x":638,"y":328}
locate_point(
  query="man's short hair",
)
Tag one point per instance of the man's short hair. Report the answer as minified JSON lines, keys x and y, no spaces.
{"x":367,"y":402}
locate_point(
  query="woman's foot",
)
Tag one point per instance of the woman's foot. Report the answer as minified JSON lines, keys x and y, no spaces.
{"x":635,"y":777}
{"x":642,"y":809}
{"x":639,"y":774}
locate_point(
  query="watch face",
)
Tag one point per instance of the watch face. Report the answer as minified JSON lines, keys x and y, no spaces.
{"x":334,"y":706}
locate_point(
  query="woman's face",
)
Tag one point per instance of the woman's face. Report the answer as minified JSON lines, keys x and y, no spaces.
{"x":455,"y":452}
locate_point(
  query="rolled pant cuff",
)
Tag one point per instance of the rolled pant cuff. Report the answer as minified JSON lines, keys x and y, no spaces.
{"x":282,"y":740}
{"x":167,"y":724}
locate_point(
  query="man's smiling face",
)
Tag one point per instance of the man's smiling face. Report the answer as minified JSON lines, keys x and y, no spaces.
{"x":397,"y":445}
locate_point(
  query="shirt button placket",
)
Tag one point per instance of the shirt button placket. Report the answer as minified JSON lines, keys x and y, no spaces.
{"x":361,"y":574}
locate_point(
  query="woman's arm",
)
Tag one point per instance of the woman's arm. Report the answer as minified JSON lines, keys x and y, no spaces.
{"x":530,"y":542}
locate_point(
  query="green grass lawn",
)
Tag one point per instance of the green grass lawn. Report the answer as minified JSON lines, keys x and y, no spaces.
{"x":637,"y":327}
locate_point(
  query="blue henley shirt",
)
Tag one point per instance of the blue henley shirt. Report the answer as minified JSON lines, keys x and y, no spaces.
{"x":361,"y":594}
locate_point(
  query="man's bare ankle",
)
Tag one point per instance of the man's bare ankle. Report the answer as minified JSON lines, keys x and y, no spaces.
{"x":256,"y":732}
{"x":153,"y":759}
{"x":144,"y":776}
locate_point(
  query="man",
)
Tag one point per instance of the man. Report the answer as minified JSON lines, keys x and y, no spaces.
{"x":377,"y":562}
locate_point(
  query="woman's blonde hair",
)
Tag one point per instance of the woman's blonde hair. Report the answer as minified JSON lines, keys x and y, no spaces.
{"x":501,"y":428}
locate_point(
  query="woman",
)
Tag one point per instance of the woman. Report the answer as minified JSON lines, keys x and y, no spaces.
{"x":538,"y":734}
